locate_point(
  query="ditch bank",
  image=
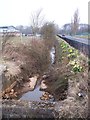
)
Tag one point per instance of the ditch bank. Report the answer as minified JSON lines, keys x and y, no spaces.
{"x":75,"y":102}
{"x":17,"y":84}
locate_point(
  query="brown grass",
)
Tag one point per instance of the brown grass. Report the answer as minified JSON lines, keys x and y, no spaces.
{"x":24,"y":60}
{"x":33,"y":57}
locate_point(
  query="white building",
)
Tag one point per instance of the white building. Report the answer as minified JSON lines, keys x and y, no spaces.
{"x":9,"y":30}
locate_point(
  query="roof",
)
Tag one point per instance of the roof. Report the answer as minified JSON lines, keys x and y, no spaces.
{"x":8,"y":29}
{"x":3,"y":27}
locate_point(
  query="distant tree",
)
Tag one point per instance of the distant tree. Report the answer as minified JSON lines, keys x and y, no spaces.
{"x":24,"y":29}
{"x":75,"y":22}
{"x":83,"y":28}
{"x":57,"y":29}
{"x":67,"y":28}
{"x":36,"y":21}
{"x":20,"y":27}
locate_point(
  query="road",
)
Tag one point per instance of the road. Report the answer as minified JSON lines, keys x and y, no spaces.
{"x":83,"y":45}
{"x":81,"y":40}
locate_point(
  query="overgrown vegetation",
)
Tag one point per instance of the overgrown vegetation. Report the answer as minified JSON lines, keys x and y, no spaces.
{"x":64,"y":80}
{"x":48,"y":32}
{"x":67,"y":80}
{"x":30,"y":57}
{"x":33,"y":57}
{"x":75,"y":106}
{"x":23,"y":60}
{"x":72,"y":55}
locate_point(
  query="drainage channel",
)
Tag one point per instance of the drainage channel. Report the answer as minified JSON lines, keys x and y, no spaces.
{"x":36,"y":94}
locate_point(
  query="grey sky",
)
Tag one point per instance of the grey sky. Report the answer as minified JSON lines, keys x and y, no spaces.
{"x":17,"y":12}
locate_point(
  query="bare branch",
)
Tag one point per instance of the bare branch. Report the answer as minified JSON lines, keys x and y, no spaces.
{"x":75,"y":22}
{"x":36,"y":21}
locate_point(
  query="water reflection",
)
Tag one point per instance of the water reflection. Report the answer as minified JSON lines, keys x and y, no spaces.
{"x":52,"y":54}
{"x":33,"y":95}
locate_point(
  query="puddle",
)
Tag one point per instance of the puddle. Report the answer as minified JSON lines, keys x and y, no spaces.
{"x":32,"y":95}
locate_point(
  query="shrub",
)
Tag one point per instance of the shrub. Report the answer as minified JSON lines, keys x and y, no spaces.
{"x":48,"y":32}
{"x":32,"y":58}
{"x":39,"y":55}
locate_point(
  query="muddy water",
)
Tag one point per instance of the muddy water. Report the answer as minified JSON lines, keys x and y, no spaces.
{"x":36,"y":93}
{"x":32,"y":95}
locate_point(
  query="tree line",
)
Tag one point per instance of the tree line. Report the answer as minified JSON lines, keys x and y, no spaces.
{"x":38,"y":22}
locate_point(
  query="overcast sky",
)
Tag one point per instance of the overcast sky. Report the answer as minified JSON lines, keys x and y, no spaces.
{"x":17,"y":12}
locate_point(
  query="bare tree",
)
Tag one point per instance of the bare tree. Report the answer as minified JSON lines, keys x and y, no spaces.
{"x":36,"y":20}
{"x":75,"y":22}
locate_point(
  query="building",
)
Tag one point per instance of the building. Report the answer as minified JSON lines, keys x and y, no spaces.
{"x":9,"y":30}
